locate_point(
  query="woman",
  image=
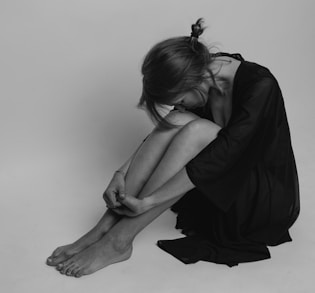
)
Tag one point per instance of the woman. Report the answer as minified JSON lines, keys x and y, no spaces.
{"x":223,"y":155}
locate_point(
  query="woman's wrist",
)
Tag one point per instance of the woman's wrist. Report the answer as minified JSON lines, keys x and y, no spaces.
{"x":149,"y":202}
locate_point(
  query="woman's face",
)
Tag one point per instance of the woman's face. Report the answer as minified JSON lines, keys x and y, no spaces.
{"x":192,"y":99}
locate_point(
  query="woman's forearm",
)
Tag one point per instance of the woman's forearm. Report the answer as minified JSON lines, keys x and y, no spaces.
{"x":172,"y":189}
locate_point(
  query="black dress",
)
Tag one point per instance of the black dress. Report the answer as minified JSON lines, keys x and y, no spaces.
{"x":247,"y":194}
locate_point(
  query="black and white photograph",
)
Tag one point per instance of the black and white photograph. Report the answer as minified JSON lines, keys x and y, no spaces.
{"x":157,"y":146}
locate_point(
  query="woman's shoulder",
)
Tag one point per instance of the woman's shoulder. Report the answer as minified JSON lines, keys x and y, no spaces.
{"x":254,"y":70}
{"x":251,"y":73}
{"x":248,"y":72}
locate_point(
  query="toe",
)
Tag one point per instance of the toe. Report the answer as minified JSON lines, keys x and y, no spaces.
{"x":55,"y":258}
{"x":52,"y":262}
{"x":68,"y":272}
{"x":49,"y":261}
{"x":66,"y":265}
{"x":56,"y":252}
{"x":78,"y":274}
{"x":60,"y":266}
{"x":62,"y":271}
{"x":63,"y":265}
{"x":75,"y":271}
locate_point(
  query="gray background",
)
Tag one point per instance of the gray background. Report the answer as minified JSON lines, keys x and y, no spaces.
{"x":70,"y":81}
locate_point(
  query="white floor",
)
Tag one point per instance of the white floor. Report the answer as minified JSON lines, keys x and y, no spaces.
{"x":49,"y":202}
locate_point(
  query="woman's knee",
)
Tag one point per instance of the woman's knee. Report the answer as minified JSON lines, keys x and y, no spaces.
{"x":202,"y":131}
{"x":178,"y":118}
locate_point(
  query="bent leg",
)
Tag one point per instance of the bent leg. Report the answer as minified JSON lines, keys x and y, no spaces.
{"x":185,"y":146}
{"x":152,"y":150}
{"x":116,"y":245}
{"x":140,"y":169}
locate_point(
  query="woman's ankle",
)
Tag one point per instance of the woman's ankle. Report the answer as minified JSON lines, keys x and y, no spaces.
{"x":119,"y":243}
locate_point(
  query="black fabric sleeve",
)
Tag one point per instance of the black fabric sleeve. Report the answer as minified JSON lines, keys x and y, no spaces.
{"x":220,"y":168}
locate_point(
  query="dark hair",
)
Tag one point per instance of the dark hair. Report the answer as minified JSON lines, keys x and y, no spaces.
{"x":171,"y":67}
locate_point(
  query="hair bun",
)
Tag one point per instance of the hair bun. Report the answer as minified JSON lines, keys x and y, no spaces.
{"x":197,"y":28}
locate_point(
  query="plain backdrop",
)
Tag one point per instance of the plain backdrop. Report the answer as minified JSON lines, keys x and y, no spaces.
{"x":70,"y":82}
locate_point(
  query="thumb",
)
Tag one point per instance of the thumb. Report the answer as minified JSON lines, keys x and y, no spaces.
{"x":121,"y":191}
{"x":121,"y":195}
{"x":128,"y":201}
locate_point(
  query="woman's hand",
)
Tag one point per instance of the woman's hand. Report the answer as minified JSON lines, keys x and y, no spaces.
{"x":132,"y":206}
{"x":115,"y":188}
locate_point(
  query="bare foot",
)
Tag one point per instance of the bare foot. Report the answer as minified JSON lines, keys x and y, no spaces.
{"x":97,"y":256}
{"x":63,"y":253}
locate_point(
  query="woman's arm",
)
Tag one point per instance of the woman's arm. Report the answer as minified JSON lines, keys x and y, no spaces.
{"x":172,"y":189}
{"x":116,"y":186}
{"x":220,"y":168}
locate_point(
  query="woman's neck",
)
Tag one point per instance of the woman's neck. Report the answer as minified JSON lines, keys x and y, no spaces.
{"x":221,"y":90}
{"x":224,"y":69}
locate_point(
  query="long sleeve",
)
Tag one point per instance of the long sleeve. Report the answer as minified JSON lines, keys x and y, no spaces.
{"x":219,"y":170}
